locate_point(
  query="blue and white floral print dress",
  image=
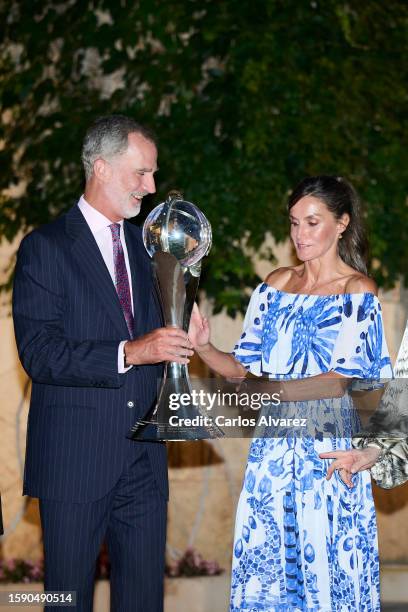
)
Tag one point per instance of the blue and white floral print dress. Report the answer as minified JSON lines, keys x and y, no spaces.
{"x":303,"y":543}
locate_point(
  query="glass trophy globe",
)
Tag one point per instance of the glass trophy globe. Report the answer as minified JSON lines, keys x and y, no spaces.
{"x":180,"y":228}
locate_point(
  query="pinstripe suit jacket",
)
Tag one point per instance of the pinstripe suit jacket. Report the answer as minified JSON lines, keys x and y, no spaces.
{"x":68,"y":323}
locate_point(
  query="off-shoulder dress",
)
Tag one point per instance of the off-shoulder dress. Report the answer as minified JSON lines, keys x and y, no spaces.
{"x":303,"y":543}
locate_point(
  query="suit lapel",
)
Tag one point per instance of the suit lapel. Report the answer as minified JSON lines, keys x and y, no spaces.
{"x":86,"y":251}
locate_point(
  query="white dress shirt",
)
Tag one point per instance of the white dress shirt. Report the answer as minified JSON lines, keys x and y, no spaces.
{"x":99,"y":226}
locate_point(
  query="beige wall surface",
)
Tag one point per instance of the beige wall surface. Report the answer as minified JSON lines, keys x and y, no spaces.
{"x":203,"y":498}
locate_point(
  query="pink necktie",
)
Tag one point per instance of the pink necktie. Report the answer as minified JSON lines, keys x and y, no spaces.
{"x":121,"y":277}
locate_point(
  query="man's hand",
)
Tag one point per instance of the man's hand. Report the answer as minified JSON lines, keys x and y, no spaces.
{"x":163,"y":344}
{"x":348,"y":462}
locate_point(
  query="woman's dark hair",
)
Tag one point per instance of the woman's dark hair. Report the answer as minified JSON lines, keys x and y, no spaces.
{"x":340,"y":197}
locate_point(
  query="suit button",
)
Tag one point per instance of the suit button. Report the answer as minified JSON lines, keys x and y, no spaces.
{"x":130,"y":404}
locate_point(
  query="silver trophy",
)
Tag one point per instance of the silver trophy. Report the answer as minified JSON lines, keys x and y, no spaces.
{"x":177,"y":236}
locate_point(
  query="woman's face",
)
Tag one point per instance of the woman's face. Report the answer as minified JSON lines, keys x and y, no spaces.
{"x":314,"y":229}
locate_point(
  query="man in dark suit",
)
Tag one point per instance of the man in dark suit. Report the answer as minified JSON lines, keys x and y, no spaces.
{"x":89,"y":334}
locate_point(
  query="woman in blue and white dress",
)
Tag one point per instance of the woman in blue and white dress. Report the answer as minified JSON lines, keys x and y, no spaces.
{"x":305,"y":541}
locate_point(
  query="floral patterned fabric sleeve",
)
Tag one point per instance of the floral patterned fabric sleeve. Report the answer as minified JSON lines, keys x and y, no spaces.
{"x":391,"y":468}
{"x":388,"y":428}
{"x":248,"y":350}
{"x":360,"y":349}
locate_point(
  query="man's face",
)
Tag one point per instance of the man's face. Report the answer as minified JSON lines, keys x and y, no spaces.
{"x":130,"y":177}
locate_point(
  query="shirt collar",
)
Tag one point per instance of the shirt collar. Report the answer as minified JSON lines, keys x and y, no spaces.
{"x":96,"y":220}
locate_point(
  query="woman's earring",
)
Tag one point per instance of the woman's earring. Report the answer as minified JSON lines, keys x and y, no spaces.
{"x":340,"y":236}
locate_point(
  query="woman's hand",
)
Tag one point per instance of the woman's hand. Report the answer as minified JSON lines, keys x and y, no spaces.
{"x":220,"y":362}
{"x":348,"y":462}
{"x":199,"y":330}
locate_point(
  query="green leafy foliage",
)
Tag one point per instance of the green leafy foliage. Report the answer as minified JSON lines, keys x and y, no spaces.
{"x":246,"y":97}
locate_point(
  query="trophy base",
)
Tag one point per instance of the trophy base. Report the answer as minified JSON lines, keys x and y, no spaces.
{"x":153,"y":431}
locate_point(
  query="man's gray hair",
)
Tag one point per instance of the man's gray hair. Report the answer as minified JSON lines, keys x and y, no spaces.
{"x":108,"y":137}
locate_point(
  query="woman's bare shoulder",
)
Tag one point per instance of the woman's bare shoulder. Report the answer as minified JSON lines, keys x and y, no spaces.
{"x":280,"y":277}
{"x":360,"y":283}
